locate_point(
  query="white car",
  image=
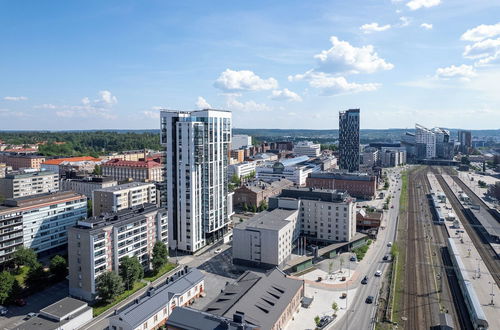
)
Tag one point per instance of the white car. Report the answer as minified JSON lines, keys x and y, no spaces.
{"x":31,"y":314}
{"x":389,"y":244}
{"x":378,"y":273}
{"x":218,"y":250}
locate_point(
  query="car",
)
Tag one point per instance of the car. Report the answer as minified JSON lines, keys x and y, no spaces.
{"x":343,"y":296}
{"x":385,"y":258}
{"x":218,"y":250}
{"x":3,"y":311}
{"x":389,"y":244}
{"x":378,"y":273}
{"x":364,"y":280}
{"x":31,"y":314}
{"x":324,"y":321}
{"x":20,"y":302}
{"x":352,"y":258}
{"x":369,"y":300}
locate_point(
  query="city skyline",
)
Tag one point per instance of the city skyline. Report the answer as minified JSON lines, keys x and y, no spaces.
{"x":114,"y":65}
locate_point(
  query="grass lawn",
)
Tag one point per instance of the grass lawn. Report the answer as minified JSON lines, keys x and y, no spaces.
{"x":165,"y":269}
{"x":99,"y":308}
{"x":23,"y":273}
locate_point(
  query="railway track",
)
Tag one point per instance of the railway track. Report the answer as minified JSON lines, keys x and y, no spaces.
{"x":484,"y":249}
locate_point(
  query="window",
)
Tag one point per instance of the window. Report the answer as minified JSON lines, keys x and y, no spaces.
{"x":145,"y":326}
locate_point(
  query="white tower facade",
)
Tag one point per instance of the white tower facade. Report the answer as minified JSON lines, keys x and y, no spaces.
{"x":196,"y":145}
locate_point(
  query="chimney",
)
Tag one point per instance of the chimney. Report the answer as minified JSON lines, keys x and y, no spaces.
{"x":239,"y":317}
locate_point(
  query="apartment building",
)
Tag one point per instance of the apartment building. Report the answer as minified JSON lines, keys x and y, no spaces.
{"x":11,"y":232}
{"x":359,"y":185}
{"x":97,"y":244}
{"x":325,"y":215}
{"x":46,"y":218}
{"x":237,"y":156}
{"x":85,"y":185}
{"x":349,"y":140}
{"x":152,"y":310}
{"x":123,"y":196}
{"x":21,"y":184}
{"x":425,"y":140}
{"x":307,"y":148}
{"x":266,"y":239}
{"x":197,"y":149}
{"x":142,"y":170}
{"x":20,"y":161}
{"x":241,"y":170}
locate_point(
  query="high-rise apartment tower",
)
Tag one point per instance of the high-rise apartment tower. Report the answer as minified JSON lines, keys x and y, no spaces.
{"x":349,"y":140}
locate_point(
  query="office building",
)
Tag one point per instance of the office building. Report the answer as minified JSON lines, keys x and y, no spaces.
{"x":141,"y":170}
{"x":294,"y":169}
{"x":325,"y":215}
{"x":266,"y":239}
{"x":241,"y":170}
{"x":349,"y":140}
{"x":255,"y":193}
{"x":21,"y":161}
{"x":84,"y":184}
{"x":123,"y":196}
{"x":391,"y":157}
{"x":11,"y":232}
{"x":268,"y":301}
{"x":21,"y":184}
{"x":465,"y":140}
{"x":151,"y":311}
{"x":78,"y":164}
{"x":197,"y":145}
{"x":97,"y":244}
{"x":307,"y":148}
{"x":370,"y":157}
{"x":65,"y":314}
{"x":240,"y":141}
{"x":358,"y":185}
{"x":425,"y":141}
{"x":46,"y":218}
{"x":408,"y":141}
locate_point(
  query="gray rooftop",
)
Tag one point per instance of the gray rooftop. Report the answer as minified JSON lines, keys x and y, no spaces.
{"x":126,"y":186}
{"x":274,"y":220}
{"x":63,"y":308}
{"x":343,"y":176}
{"x":261,"y":297}
{"x":148,"y":305}
{"x":192,"y":319}
{"x":21,"y":175}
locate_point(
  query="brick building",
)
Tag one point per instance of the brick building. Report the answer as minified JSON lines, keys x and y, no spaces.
{"x":368,"y":220}
{"x":19,"y":161}
{"x":254,"y":193}
{"x":357,"y":185}
{"x":141,"y":170}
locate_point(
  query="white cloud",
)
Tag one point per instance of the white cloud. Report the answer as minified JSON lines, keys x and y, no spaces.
{"x":481,"y":32}
{"x":374,"y":27}
{"x":333,"y":85}
{"x":463,"y":71}
{"x":151,"y":114}
{"x":243,"y":80}
{"x":46,"y":106}
{"x":426,"y":26}
{"x":481,"y":49}
{"x":201,"y":103}
{"x":342,"y":56}
{"x":405,"y":21}
{"x":100,"y":107}
{"x":285,"y":95}
{"x":233,"y":103}
{"x":417,"y":4}
{"x":15,"y":98}
{"x":11,"y":113}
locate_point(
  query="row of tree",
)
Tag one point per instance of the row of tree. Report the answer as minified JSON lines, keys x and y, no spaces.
{"x":110,"y":284}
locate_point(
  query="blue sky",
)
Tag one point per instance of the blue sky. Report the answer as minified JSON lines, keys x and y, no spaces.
{"x":275,"y":64}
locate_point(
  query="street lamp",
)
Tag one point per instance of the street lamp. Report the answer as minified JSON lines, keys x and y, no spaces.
{"x":492,"y":303}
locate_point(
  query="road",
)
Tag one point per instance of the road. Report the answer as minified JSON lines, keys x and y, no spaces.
{"x":362,"y":315}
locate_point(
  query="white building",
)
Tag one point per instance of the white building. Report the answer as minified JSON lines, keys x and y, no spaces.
{"x":85,"y":185}
{"x":21,"y":184}
{"x":266,"y":239}
{"x":425,"y":140}
{"x":241,"y":169}
{"x":196,"y":145}
{"x":391,"y":157}
{"x":294,"y":169}
{"x":307,"y":148}
{"x":97,"y":244}
{"x":240,"y":141}
{"x":123,"y":196}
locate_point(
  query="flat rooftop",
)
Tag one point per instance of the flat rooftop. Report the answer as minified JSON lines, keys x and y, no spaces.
{"x":34,"y":200}
{"x":273,"y":220}
{"x":126,"y":186}
{"x":63,"y":307}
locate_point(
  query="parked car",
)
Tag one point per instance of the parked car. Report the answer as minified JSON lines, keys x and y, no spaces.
{"x":218,"y":250}
{"x":389,"y":244}
{"x":324,"y":321}
{"x":364,"y":280}
{"x":352,"y":258}
{"x":385,"y":258}
{"x":20,"y":302}
{"x":378,"y":273}
{"x":343,"y":296}
{"x":369,"y":300}
{"x":3,"y":310}
{"x":31,"y":314}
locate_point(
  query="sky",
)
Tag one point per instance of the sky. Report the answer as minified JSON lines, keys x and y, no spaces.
{"x":274,"y":64}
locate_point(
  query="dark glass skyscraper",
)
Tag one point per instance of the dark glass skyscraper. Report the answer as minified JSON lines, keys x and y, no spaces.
{"x":349,"y":140}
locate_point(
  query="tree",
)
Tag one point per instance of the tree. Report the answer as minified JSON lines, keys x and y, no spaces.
{"x":160,"y":256}
{"x":89,"y":208}
{"x":131,"y":271}
{"x":58,"y":267}
{"x":16,"y":291}
{"x":317,"y":320}
{"x":235,"y":179}
{"x":6,"y":283}
{"x":25,"y":257}
{"x":330,"y":268}
{"x":245,"y":207}
{"x":108,"y":286}
{"x":254,"y":208}
{"x":37,"y":276}
{"x":263,"y":206}
{"x":465,"y":160}
{"x":335,"y":307}
{"x":341,"y":261}
{"x":97,"y":170}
